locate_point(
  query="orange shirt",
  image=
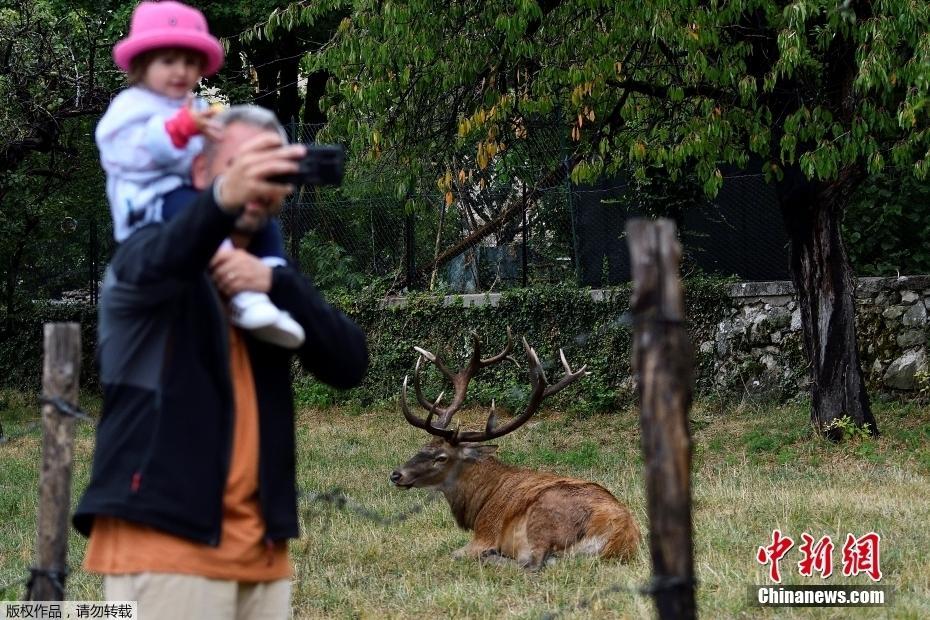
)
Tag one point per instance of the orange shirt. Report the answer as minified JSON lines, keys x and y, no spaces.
{"x":117,"y":546}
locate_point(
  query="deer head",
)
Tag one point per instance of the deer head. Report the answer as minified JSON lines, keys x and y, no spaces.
{"x":433,"y":463}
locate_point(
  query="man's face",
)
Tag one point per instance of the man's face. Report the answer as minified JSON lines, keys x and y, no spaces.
{"x":255,"y":215}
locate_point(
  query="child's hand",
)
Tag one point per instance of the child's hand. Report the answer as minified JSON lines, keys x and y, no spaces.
{"x":203,"y":119}
{"x":208,"y":127}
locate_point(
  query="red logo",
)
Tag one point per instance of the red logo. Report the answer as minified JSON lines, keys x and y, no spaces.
{"x":817,"y":557}
{"x":861,"y":555}
{"x":773,"y":553}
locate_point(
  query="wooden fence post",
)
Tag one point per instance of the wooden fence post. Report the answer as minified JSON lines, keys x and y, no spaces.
{"x":662,"y":359}
{"x":60,"y":374}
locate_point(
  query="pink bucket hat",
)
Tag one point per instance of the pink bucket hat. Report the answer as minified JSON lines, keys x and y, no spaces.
{"x":168,"y":24}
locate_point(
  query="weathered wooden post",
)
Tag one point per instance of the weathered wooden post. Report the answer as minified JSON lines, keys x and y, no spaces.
{"x":60,"y":374}
{"x":662,"y":360}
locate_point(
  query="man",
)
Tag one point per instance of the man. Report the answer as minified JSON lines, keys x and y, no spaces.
{"x":193,"y":494}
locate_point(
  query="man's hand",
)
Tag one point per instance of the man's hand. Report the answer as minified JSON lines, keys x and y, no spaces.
{"x":259,"y":158}
{"x":235,"y":271}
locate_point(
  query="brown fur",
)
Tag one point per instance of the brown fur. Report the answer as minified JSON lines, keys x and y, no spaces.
{"x":524,"y":515}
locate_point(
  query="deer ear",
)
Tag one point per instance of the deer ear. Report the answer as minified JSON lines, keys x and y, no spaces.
{"x":477,"y":451}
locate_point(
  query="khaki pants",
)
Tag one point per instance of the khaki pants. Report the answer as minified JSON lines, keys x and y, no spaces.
{"x":172,"y":596}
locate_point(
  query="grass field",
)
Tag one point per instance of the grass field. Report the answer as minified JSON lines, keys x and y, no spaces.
{"x":756,"y":468}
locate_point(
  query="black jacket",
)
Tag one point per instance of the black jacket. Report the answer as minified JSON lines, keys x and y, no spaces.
{"x":165,"y":434}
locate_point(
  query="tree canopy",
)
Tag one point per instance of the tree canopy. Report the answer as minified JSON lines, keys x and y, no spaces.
{"x":678,"y":84}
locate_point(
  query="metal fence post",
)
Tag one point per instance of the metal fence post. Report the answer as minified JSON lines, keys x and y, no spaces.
{"x":410,"y":250}
{"x":524,"y":237}
{"x":292,"y":130}
{"x":571,"y":216}
{"x":293,"y":232}
{"x":567,"y":184}
{"x":293,"y":211}
{"x":94,"y":253}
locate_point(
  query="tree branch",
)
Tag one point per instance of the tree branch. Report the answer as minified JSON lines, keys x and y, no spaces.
{"x":550,"y":179}
{"x":658,"y":91}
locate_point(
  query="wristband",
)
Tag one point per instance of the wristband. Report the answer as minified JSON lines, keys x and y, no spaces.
{"x":217,"y":184}
{"x":181,"y":128}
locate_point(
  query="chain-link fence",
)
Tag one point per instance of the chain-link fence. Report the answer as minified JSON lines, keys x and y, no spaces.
{"x":538,"y":233}
{"x":65,"y":265}
{"x":739,"y":233}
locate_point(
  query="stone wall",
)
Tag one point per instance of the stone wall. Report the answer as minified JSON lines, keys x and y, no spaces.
{"x":757,"y":345}
{"x":754,"y":343}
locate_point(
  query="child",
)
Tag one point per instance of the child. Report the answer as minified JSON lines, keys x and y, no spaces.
{"x":152,"y":131}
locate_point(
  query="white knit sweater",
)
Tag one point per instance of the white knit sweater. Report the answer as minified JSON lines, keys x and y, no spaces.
{"x":141,"y":163}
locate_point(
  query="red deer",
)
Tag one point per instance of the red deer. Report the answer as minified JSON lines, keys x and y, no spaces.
{"x":516,"y":514}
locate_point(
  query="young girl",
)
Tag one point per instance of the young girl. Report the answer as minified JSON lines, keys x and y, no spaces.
{"x":152,"y":131}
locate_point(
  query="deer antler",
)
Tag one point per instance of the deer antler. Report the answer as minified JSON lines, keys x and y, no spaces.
{"x":427,"y":423}
{"x":460,"y":379}
{"x":541,"y":390}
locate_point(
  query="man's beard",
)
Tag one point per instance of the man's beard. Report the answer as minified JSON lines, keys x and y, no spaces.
{"x":250,"y":224}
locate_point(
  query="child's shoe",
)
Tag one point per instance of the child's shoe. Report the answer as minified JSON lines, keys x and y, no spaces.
{"x":251,"y":310}
{"x":284,"y":332}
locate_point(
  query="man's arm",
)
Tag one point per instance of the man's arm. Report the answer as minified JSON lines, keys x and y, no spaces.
{"x":177,"y":250}
{"x":335,"y":350}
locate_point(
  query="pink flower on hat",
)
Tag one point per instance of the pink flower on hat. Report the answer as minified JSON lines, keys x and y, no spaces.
{"x":168,"y":24}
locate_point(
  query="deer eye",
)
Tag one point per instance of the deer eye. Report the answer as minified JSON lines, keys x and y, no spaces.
{"x":441,"y":458}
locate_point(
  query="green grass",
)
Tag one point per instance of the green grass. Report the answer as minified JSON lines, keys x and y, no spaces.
{"x":756,"y":468}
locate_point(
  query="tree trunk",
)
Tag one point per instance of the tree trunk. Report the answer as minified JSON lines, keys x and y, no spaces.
{"x":823,"y":279}
{"x":267,"y":70}
{"x":288,"y":108}
{"x":313,"y":113}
